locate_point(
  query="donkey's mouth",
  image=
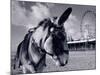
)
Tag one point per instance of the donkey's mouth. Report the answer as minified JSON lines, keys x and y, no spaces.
{"x":58,"y":62}
{"x":61,"y":57}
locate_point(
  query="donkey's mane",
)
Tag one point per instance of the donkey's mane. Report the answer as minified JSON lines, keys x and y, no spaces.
{"x":43,"y":21}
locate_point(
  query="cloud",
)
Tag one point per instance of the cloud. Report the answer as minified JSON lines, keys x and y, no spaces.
{"x":26,"y":18}
{"x":72,"y":27}
{"x":18,"y":14}
{"x":40,"y":11}
{"x":50,"y":5}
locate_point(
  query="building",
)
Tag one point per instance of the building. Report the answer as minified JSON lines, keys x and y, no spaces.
{"x":82,"y":45}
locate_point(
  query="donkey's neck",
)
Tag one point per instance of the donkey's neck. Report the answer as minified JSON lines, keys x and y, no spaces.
{"x":40,"y":34}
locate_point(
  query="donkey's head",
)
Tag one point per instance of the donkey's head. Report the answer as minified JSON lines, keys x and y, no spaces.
{"x":51,"y":37}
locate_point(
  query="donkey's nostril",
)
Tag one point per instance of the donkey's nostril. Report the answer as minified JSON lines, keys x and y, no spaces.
{"x":62,"y":65}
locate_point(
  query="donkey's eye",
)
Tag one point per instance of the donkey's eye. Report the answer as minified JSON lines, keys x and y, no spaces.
{"x":51,"y":29}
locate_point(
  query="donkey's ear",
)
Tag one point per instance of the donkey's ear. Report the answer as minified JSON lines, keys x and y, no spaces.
{"x":64,"y":16}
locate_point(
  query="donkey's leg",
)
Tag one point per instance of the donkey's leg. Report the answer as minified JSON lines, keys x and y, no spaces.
{"x":28,"y":68}
{"x":67,"y":52}
{"x":44,"y":60}
{"x":24,"y":62}
{"x":23,"y":69}
{"x":42,"y":64}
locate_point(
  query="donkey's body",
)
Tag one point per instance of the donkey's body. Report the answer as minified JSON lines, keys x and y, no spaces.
{"x":25,"y":58}
{"x":47,"y":38}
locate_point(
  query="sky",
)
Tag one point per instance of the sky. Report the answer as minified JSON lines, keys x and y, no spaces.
{"x":25,"y":15}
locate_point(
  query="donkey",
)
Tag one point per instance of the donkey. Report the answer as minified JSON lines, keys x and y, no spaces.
{"x":49,"y":38}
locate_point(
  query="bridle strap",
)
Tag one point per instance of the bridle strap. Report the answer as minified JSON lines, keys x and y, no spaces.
{"x":43,"y":51}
